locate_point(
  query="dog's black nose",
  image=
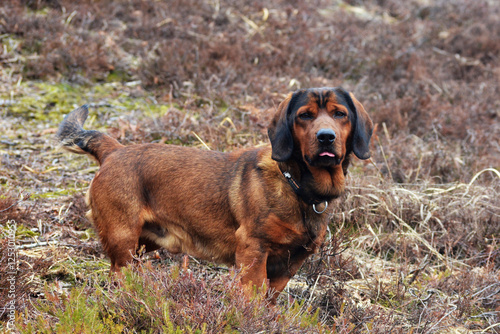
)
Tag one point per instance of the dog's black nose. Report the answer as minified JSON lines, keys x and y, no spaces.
{"x":326,"y":136}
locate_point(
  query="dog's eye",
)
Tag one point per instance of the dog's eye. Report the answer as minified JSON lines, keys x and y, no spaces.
{"x":340,"y":114}
{"x":306,"y":116}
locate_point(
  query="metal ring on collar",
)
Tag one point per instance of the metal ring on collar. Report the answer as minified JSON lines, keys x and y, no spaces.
{"x":320,"y":212}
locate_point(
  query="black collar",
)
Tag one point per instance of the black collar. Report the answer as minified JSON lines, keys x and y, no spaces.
{"x":295,"y":186}
{"x":300,"y":193}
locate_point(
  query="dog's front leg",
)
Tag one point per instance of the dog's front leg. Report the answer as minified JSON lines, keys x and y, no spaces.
{"x":251,"y":258}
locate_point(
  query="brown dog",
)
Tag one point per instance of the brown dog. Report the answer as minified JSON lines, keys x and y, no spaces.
{"x":263,"y":209}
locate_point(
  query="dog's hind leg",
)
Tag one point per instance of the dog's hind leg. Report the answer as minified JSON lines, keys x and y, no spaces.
{"x":119,"y":235}
{"x":121,"y":246}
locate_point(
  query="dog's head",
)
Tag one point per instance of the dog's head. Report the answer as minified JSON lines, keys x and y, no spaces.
{"x":323,"y":125}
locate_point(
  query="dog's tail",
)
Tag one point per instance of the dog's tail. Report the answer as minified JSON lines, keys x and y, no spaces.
{"x":75,"y":139}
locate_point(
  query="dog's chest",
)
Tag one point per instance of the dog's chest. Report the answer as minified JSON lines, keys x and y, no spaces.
{"x":284,"y":257}
{"x":303,"y":233}
{"x":315,"y":229}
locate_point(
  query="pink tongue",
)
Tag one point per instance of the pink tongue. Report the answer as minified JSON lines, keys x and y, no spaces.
{"x":328,"y":154}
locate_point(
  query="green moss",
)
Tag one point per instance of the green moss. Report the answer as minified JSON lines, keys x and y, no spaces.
{"x":88,"y":234}
{"x":21,"y":231}
{"x":56,"y":193}
{"x":50,"y":102}
{"x":46,"y":101}
{"x":73,"y":271}
{"x":25,"y":232}
{"x":118,"y":75}
{"x":9,"y":43}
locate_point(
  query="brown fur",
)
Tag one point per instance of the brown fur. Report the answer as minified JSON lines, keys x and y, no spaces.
{"x":234,"y":208}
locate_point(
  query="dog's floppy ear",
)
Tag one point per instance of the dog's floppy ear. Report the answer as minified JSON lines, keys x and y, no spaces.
{"x":280,"y":132}
{"x":363,"y":128}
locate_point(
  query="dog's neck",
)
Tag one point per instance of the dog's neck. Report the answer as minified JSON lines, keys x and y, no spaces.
{"x":314,"y":185}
